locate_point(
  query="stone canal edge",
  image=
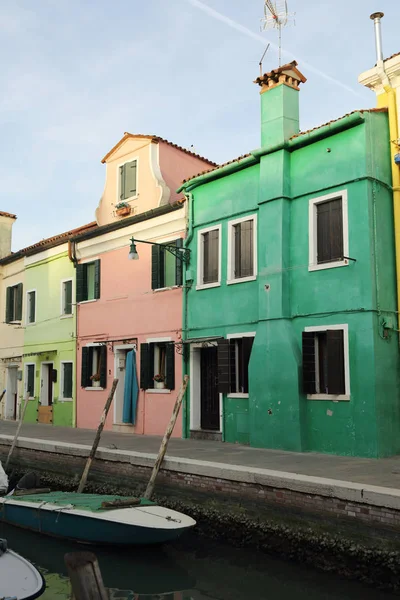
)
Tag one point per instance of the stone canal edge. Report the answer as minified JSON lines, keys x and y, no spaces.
{"x":334,"y":525}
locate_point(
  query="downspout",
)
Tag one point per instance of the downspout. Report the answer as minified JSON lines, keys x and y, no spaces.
{"x":186,"y":288}
{"x":74,"y":260}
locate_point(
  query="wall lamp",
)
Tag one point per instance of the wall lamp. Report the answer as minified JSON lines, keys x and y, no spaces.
{"x":181,"y":253}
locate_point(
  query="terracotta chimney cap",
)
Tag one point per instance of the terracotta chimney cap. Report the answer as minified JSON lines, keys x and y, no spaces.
{"x":287,"y":74}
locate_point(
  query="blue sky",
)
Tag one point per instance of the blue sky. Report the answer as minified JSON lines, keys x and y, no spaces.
{"x":77,"y":74}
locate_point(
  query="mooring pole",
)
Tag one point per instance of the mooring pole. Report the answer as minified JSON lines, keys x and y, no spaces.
{"x":85,"y":576}
{"x":17,"y":432}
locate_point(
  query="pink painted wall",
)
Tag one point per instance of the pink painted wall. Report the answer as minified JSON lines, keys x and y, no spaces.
{"x":129,"y":308}
{"x":176,"y":165}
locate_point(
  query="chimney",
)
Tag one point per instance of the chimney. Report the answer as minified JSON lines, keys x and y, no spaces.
{"x":280,"y":104}
{"x":6,"y":223}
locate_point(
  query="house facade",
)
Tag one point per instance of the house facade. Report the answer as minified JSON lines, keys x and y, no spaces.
{"x":129,"y":312}
{"x":290,"y":322}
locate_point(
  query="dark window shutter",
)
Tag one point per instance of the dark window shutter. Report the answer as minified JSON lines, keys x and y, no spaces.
{"x":329,"y":231}
{"x":9,"y":305}
{"x":67,"y":298}
{"x":81,"y":283}
{"x":32,"y":306}
{"x":335,"y":361}
{"x":86,"y":367}
{"x":156,"y":263}
{"x":103,"y":366}
{"x":122,"y":182}
{"x":97,"y":279}
{"x":309,"y":385}
{"x":247,"y":345}
{"x":19,"y":292}
{"x":30,"y":386}
{"x":145,"y":366}
{"x":223,"y":367}
{"x":67,"y":380}
{"x":179,"y":264}
{"x":170,"y":372}
{"x":130,"y":179}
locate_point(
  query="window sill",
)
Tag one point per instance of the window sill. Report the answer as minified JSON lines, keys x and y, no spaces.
{"x":68,"y":316}
{"x":67,"y":399}
{"x":165,"y":289}
{"x":206,"y":286}
{"x":237,"y":395}
{"x":87,"y":301}
{"x":332,"y":397}
{"x":241,"y":280}
{"x":331,"y":265}
{"x":14,"y":323}
{"x":30,"y":324}
{"x":154,"y":391}
{"x":94,"y":389}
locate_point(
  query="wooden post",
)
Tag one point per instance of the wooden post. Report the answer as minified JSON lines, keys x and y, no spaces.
{"x":84,"y":573}
{"x":163,"y":448}
{"x":17,"y":432}
{"x":97,"y":438}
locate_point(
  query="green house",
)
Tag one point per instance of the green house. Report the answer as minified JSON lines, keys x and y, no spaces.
{"x":290,"y":313}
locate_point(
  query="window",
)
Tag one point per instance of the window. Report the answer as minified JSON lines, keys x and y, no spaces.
{"x":328,"y":235}
{"x":166,"y":269}
{"x":66,"y":297}
{"x":14,"y":303}
{"x":66,"y":380}
{"x":233,"y":364}
{"x":127,"y":180}
{"x":30,"y":379}
{"x":326,"y":362}
{"x":242,"y":251}
{"x":31,"y":307}
{"x":88,"y":281}
{"x":94,"y":367}
{"x":157,"y":364}
{"x":209,"y":257}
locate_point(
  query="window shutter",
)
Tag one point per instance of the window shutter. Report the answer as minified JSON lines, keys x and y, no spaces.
{"x":97,"y":279}
{"x":19,"y":292}
{"x":86,"y":367}
{"x":67,"y":380}
{"x":32,"y":307}
{"x":9,"y":305}
{"x":329,"y":231}
{"x":247,"y":348}
{"x":103,"y":366}
{"x":179,"y":263}
{"x":223,"y":367}
{"x":336,"y":230}
{"x":156,"y":263}
{"x":81,"y":283}
{"x":145,"y":366}
{"x":122,"y":182}
{"x":130,"y":179}
{"x":170,"y":373}
{"x":335,"y":361}
{"x":309,"y":385}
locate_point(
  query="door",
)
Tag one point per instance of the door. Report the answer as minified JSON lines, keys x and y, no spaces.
{"x":209,"y":396}
{"x":45,"y":408}
{"x":11,"y":393}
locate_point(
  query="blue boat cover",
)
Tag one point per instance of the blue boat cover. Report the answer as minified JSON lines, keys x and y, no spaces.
{"x":131,"y":389}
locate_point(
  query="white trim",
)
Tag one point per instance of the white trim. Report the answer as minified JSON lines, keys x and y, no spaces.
{"x":27,"y":322}
{"x":50,"y":362}
{"x":195,"y":391}
{"x":96,"y":343}
{"x":313,"y":264}
{"x":119,"y":165}
{"x":237,"y":395}
{"x":158,"y":339}
{"x":157,"y":391}
{"x":230,"y":279}
{"x":86,"y":302}
{"x":29,"y":364}
{"x":62,"y":314}
{"x":232,"y":336}
{"x":60,"y":396}
{"x":345,"y":328}
{"x":200,"y":258}
{"x":94,"y":389}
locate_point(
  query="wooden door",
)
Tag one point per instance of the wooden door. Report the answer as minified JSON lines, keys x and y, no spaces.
{"x":209,"y":396}
{"x":45,"y":415}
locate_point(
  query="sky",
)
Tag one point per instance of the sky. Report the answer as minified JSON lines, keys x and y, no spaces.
{"x":77,"y":74}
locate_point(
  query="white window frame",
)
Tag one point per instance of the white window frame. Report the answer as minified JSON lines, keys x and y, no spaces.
{"x":121,"y":164}
{"x":200,"y":258}
{"x":90,"y":345}
{"x":63,"y":362}
{"x":236,"y":336}
{"x":26,"y":365}
{"x":335,"y":397}
{"x":27,"y":322}
{"x":231,"y":251}
{"x":62,"y":314}
{"x":312,"y":231}
{"x":159,"y":340}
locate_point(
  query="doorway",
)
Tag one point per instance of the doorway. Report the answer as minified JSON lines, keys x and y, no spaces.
{"x":205,"y":399}
{"x":120,"y":353}
{"x":45,"y":409}
{"x":11,"y":393}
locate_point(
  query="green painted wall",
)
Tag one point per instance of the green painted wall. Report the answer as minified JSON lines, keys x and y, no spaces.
{"x":360,"y":295}
{"x":52,"y":337}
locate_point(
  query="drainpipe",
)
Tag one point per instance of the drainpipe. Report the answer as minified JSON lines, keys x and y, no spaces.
{"x":394,"y":141}
{"x":73,"y":259}
{"x":188,"y":239}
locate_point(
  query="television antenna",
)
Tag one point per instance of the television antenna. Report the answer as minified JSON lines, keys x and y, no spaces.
{"x":276,"y":16}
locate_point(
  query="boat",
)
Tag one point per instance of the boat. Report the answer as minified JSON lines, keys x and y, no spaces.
{"x":19,"y":579}
{"x":94,"y":518}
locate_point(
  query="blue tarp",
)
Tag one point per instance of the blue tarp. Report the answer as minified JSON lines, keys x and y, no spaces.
{"x":131,"y":389}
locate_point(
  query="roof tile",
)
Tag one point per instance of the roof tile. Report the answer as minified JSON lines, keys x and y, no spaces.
{"x":6,"y":214}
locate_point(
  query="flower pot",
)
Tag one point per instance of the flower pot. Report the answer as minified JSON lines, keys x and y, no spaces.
{"x":123,"y":211}
{"x":95,"y":383}
{"x":159,"y":385}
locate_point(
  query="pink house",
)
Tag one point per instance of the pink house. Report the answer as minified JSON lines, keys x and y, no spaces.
{"x":129,"y":312}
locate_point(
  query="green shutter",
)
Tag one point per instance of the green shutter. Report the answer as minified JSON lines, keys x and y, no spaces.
{"x":103,"y":366}
{"x":130,"y":179}
{"x":30,"y":384}
{"x":179,"y":263}
{"x":309,"y":363}
{"x":97,"y":279}
{"x":9,"y":305}
{"x":224,"y":384}
{"x":19,"y":292}
{"x":170,"y":371}
{"x":81,"y":283}
{"x":156,"y":264}
{"x":67,"y":380}
{"x":145,"y":366}
{"x":32,"y":306}
{"x":122,"y":182}
{"x":67,"y":308}
{"x":86,"y":367}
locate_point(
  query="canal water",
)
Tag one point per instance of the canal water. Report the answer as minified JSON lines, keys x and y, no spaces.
{"x":190,"y":569}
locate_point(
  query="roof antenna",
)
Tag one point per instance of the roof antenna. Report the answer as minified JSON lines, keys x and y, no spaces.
{"x":262,"y":58}
{"x":276,"y":16}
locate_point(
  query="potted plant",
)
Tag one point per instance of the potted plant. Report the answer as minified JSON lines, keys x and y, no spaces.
{"x":159,"y":382}
{"x":122,"y":209}
{"x":95,"y":379}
